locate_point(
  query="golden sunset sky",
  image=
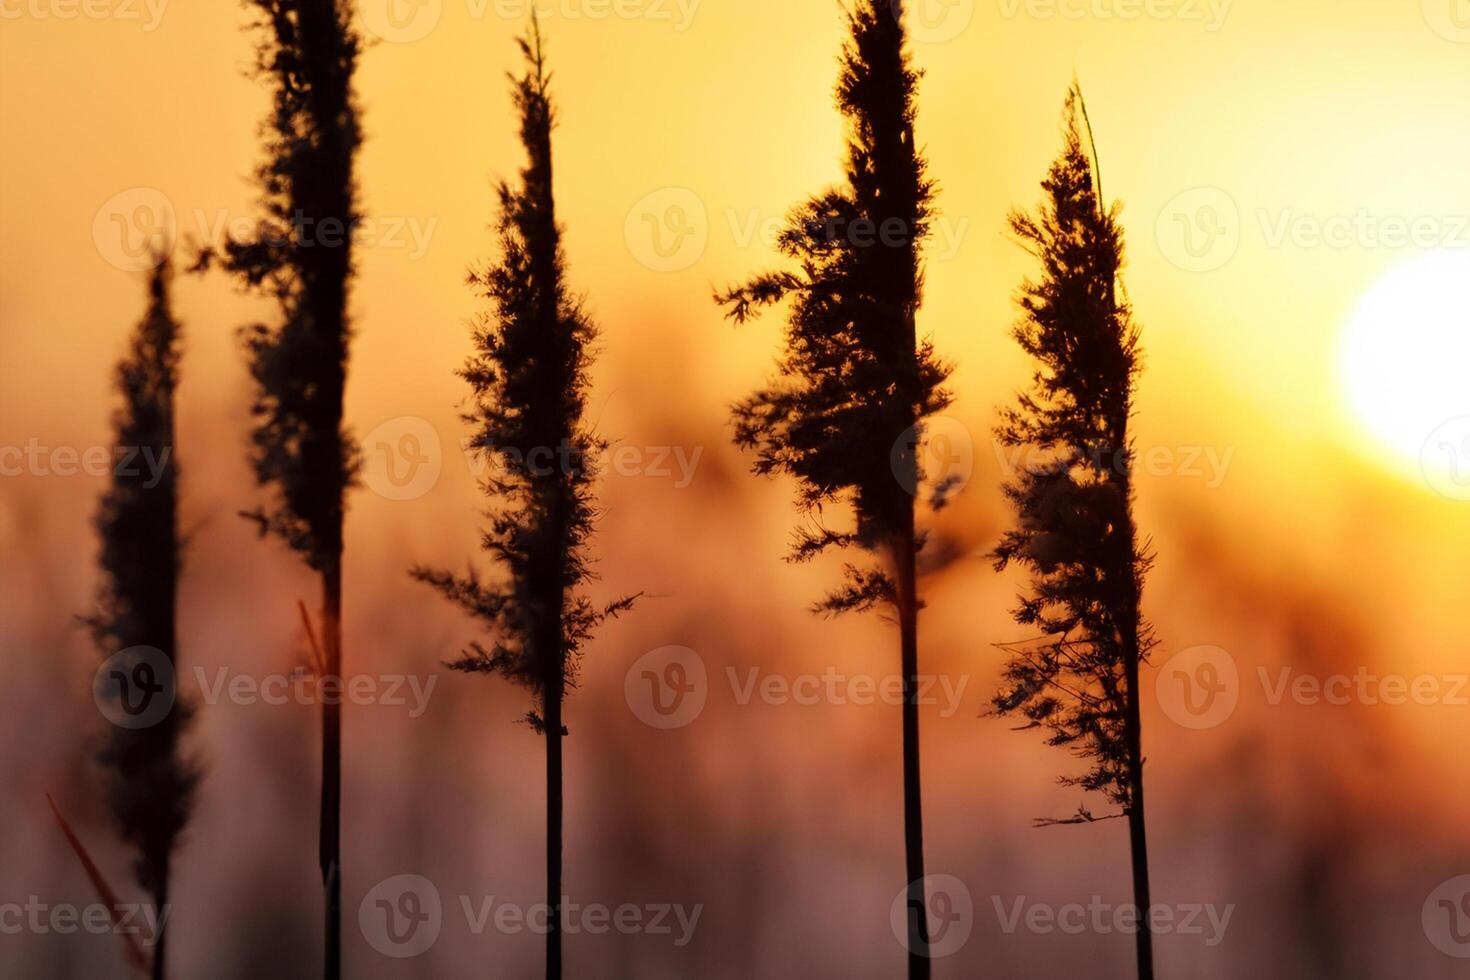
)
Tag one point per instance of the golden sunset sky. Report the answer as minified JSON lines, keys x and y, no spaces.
{"x":1276,"y":161}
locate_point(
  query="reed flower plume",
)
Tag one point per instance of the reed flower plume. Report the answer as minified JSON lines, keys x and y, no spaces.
{"x":302,"y":258}
{"x":1075,"y":534}
{"x":528,"y":381}
{"x":854,"y":382}
{"x":152,"y":780}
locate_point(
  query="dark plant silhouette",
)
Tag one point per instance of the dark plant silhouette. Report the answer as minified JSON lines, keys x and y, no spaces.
{"x":1074,"y":495}
{"x":844,"y":414}
{"x":529,"y":382}
{"x":303,"y":259}
{"x":152,"y":783}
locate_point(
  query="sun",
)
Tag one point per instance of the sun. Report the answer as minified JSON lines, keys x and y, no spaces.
{"x":1404,"y":363}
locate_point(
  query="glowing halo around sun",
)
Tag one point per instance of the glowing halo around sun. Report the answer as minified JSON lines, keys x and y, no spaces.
{"x":1404,"y":367}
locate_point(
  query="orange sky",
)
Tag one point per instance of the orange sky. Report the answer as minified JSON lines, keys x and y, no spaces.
{"x":1301,"y":111}
{"x":1311,"y":109}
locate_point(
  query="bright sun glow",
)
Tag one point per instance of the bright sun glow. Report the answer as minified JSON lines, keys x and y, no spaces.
{"x":1405,"y":357}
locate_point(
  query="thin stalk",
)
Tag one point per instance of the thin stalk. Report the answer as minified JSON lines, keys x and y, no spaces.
{"x":913,"y":803}
{"x":331,"y":806}
{"x":553,"y":834}
{"x":1138,"y":835}
{"x":160,"y":941}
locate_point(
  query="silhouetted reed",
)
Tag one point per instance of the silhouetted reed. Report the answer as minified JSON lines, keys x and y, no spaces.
{"x":854,"y":382}
{"x":303,"y":259}
{"x":1074,"y":499}
{"x":151,"y":781}
{"x":529,"y":381}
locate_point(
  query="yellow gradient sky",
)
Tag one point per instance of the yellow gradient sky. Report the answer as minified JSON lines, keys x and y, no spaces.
{"x":1288,"y":113}
{"x":1272,"y":113}
{"x":1257,"y":120}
